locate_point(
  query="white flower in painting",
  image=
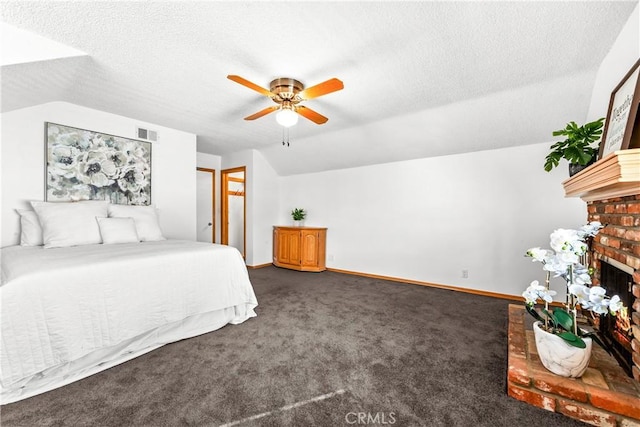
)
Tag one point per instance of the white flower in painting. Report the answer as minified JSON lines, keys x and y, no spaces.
{"x":96,"y":169}
{"x":70,"y":137}
{"x":133,"y":179}
{"x":80,"y":192}
{"x":56,"y":188}
{"x":118,"y":158}
{"x":134,"y":151}
{"x":97,"y":142}
{"x":53,"y":131}
{"x":141,"y":198}
{"x":63,"y":160}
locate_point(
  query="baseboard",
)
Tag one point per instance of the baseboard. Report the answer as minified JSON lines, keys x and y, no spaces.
{"x":255,"y":267}
{"x":432,"y":285}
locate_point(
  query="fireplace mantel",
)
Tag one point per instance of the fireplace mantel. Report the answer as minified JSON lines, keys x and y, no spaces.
{"x":617,"y":175}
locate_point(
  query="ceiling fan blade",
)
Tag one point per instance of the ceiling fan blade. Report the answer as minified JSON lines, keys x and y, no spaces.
{"x":308,"y":113}
{"x":250,"y":85}
{"x":323,"y":88}
{"x":262,"y":113}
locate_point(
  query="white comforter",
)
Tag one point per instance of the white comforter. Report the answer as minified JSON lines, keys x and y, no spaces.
{"x":61,"y":304}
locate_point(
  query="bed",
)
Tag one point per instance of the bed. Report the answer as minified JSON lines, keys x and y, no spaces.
{"x":67,"y":313}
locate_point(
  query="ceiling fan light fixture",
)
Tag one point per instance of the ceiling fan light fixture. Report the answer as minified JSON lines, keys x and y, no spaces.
{"x":286,"y":117}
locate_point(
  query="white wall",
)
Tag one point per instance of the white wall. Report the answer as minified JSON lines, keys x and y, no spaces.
{"x":429,"y":219}
{"x":265,"y":189}
{"x":23,"y":164}
{"x":623,"y":54}
{"x":210,"y":161}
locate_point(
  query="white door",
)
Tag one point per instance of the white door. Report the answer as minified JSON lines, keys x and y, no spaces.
{"x":204,"y":196}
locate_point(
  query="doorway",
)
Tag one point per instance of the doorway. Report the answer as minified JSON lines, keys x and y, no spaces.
{"x":206,"y":202}
{"x":234,"y":208}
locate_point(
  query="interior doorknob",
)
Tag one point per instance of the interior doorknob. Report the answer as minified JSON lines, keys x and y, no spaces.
{"x":209,"y":224}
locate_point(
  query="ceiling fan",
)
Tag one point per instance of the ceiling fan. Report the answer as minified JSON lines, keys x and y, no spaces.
{"x":288,"y":93}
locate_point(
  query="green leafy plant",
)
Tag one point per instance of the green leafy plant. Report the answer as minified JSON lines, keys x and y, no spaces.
{"x":298,"y":214}
{"x":578,"y":147}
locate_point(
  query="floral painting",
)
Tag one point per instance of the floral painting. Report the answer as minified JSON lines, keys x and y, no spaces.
{"x":86,"y":165}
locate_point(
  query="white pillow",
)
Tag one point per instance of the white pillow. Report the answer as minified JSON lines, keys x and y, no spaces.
{"x":118,"y":230}
{"x":30,"y":229}
{"x":70,"y":223}
{"x":145,"y":217}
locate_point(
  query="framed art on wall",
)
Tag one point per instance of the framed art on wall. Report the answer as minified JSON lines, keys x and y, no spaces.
{"x":623,"y":108}
{"x":88,"y":165}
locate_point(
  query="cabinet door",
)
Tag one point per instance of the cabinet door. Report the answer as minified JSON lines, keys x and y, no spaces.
{"x":289,"y":247}
{"x":309,"y":254}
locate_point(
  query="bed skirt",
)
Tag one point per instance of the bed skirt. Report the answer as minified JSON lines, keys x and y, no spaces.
{"x":105,"y":358}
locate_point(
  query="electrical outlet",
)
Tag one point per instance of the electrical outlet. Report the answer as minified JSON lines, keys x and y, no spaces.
{"x":330,"y":257}
{"x":465,"y":274}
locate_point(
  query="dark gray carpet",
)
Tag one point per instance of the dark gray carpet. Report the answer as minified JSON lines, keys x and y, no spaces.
{"x":404,"y":355}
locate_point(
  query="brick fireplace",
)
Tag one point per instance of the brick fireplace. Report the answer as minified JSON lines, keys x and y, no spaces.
{"x":605,"y":395}
{"x":611,"y":188}
{"x":618,"y":245}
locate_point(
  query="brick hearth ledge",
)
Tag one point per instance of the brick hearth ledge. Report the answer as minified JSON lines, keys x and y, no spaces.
{"x":604,"y":396}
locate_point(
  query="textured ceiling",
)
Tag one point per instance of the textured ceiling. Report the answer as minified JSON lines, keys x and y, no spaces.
{"x":421,"y":78}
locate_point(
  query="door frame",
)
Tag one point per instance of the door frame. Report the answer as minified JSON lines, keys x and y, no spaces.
{"x":213,"y":200}
{"x":224,"y":206}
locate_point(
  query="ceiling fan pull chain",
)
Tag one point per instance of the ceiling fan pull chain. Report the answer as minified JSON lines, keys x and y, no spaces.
{"x":285,"y":140}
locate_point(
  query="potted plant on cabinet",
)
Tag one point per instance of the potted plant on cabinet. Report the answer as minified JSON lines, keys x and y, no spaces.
{"x":578,"y":148}
{"x":298,"y":216}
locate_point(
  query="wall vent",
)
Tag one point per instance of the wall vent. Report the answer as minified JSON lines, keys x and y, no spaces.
{"x":147,"y":134}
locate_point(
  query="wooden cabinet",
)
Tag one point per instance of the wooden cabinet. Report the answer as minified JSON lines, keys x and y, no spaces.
{"x":299,"y":248}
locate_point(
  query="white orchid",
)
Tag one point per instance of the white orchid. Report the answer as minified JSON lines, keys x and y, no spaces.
{"x":556,"y":265}
{"x":590,"y":230}
{"x":581,"y":292}
{"x":539,"y":255}
{"x":582,"y":278}
{"x":562,"y":239}
{"x":615,"y":305}
{"x":565,"y":261}
{"x":536,"y":291}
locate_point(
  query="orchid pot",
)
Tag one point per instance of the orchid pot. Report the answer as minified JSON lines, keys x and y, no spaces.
{"x":560,"y":357}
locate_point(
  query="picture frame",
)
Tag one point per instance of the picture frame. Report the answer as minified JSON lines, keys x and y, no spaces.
{"x":87,"y":165}
{"x":621,"y":116}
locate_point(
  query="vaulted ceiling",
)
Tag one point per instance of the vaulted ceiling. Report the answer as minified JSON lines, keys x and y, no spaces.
{"x":421,"y":78}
